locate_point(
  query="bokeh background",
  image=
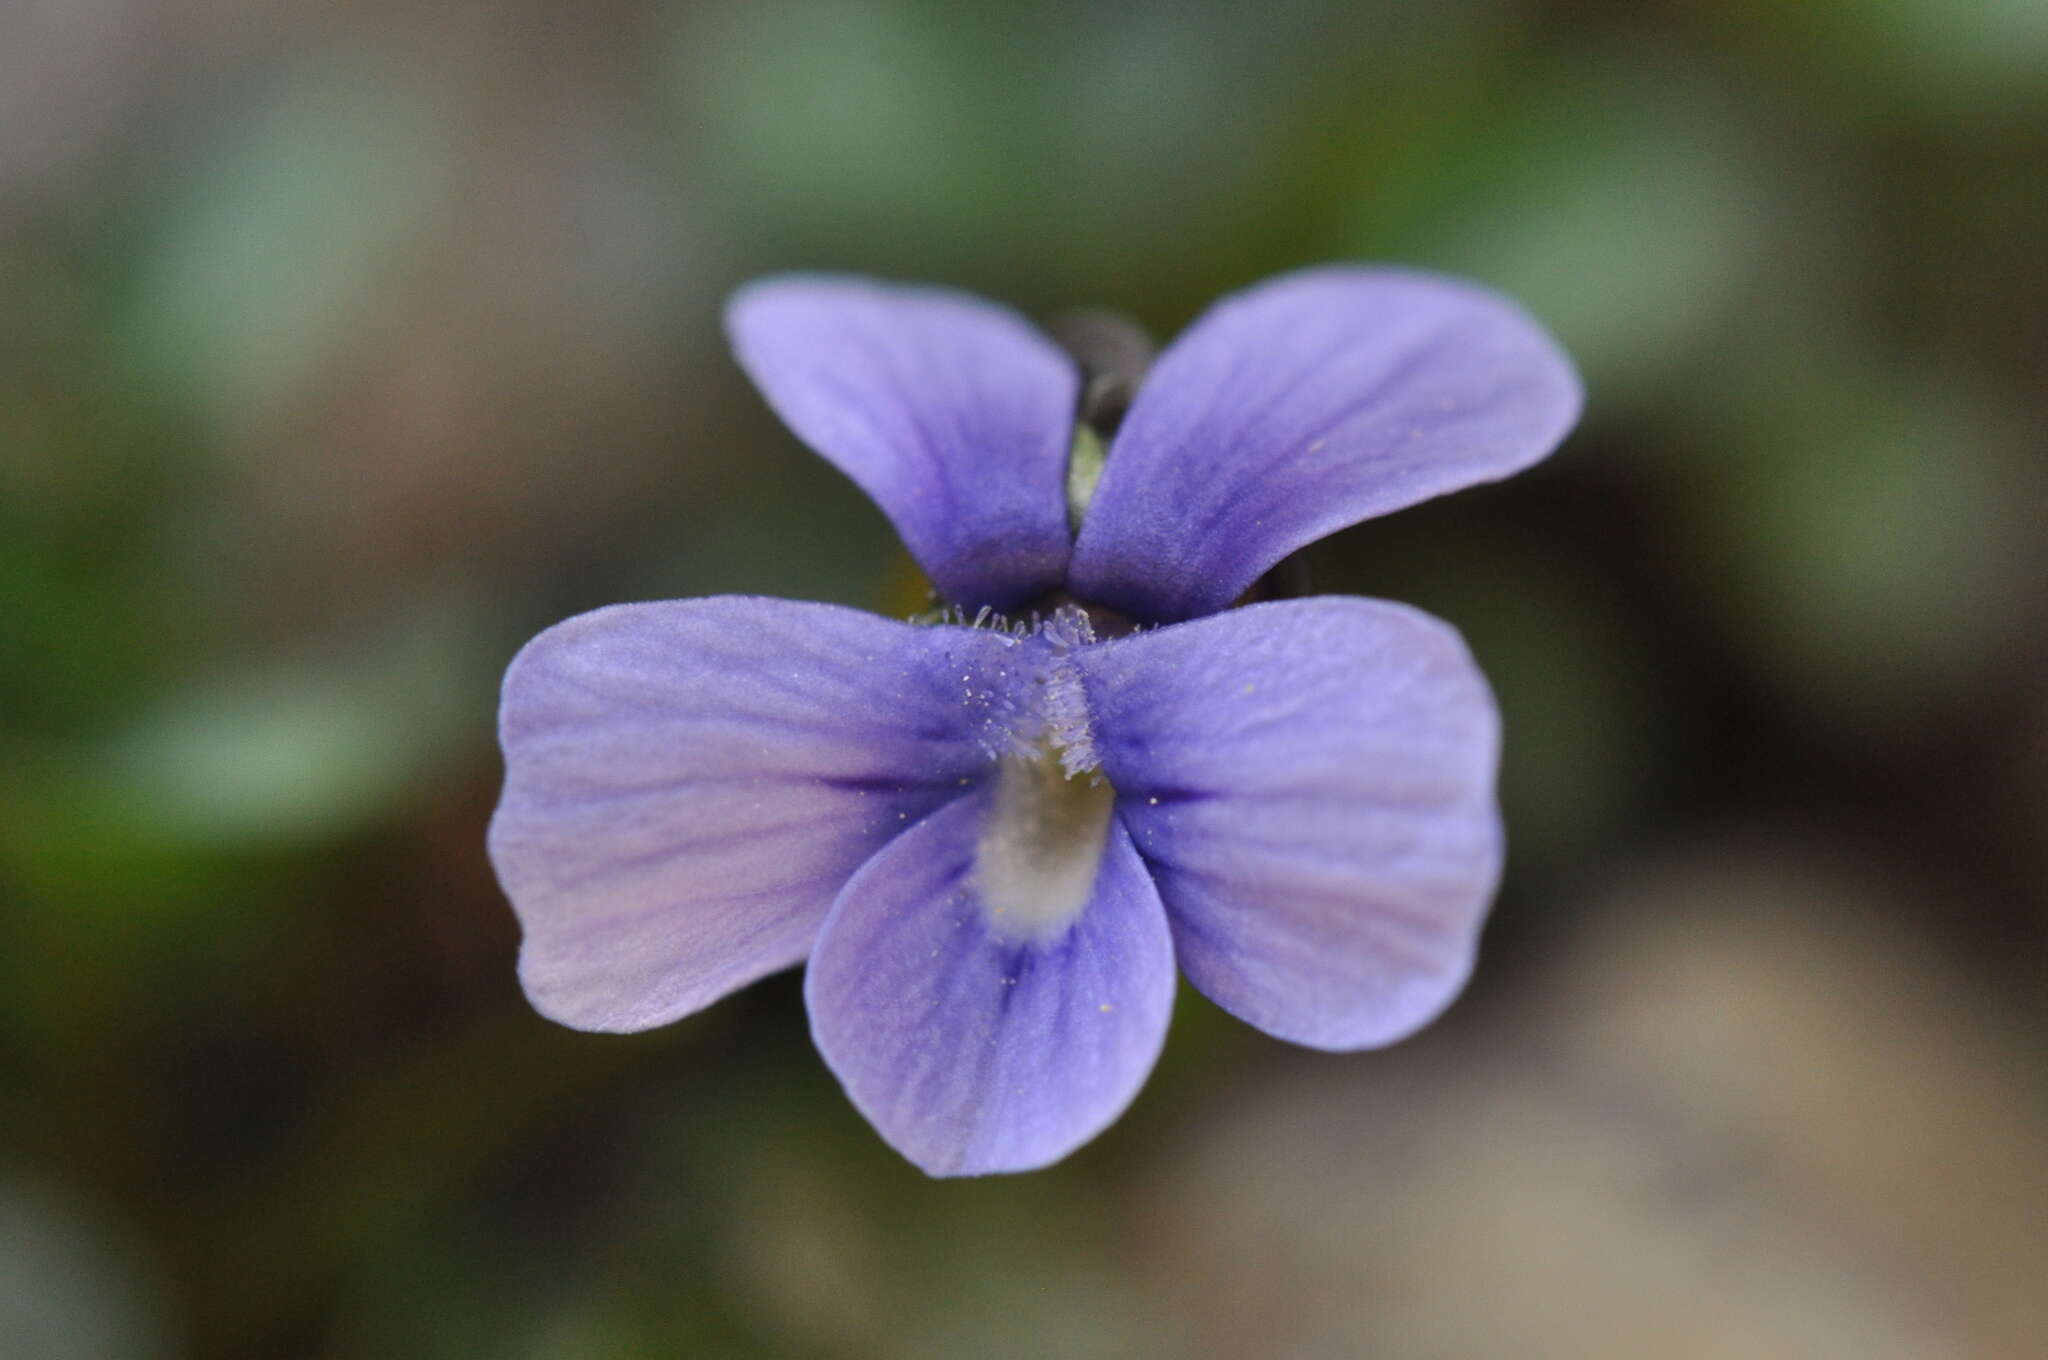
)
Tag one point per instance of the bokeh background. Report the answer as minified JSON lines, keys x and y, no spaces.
{"x":344,"y":346}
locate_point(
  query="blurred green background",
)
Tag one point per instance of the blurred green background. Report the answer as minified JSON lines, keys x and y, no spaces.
{"x":344,"y":346}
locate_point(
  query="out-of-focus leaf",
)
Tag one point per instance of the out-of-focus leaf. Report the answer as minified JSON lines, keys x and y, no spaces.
{"x":1967,"y":57}
{"x":1014,"y":143}
{"x":284,"y":230}
{"x":306,"y":746}
{"x":843,"y":122}
{"x":1619,"y":203}
{"x":1874,"y":536}
{"x":74,"y":1285}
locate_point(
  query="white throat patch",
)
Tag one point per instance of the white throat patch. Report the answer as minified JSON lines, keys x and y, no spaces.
{"x":1041,"y":847}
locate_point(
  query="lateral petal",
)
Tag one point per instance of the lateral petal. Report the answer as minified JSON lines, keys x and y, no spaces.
{"x":1312,"y":785}
{"x":689,"y":784}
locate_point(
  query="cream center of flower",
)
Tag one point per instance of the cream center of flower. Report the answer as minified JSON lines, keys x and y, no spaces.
{"x":1036,"y":862}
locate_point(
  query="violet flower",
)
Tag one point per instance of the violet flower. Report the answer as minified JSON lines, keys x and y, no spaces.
{"x":995,"y":841}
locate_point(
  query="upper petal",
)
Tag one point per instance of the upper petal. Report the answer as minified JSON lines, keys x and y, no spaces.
{"x":1311,"y":782}
{"x":952,"y":413}
{"x":689,"y":784}
{"x":1301,"y":406}
{"x":971,"y":1048}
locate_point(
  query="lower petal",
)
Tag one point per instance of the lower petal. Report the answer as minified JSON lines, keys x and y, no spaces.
{"x":1312,"y":784}
{"x":971,"y":1048}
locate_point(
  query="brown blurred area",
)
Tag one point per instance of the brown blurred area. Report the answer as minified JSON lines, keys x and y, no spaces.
{"x":343,"y":347}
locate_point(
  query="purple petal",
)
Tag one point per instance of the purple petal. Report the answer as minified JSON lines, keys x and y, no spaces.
{"x":972,"y":1052}
{"x":689,"y":784}
{"x":952,"y":413}
{"x":1304,"y":405}
{"x":1311,"y":783}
